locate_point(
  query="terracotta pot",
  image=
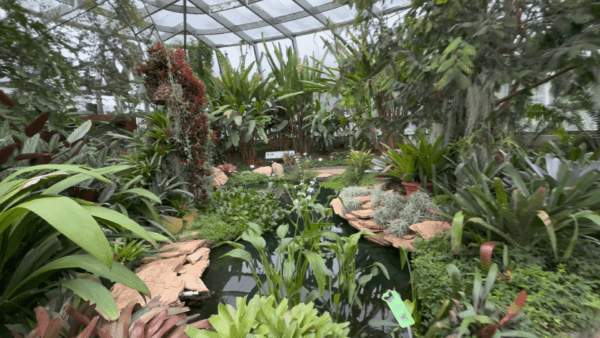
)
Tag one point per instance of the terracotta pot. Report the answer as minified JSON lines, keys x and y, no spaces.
{"x":411,"y":187}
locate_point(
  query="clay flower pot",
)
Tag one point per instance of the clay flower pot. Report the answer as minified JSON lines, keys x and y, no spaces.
{"x":411,"y":187}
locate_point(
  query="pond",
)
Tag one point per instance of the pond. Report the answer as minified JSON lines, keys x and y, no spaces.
{"x":229,"y":278}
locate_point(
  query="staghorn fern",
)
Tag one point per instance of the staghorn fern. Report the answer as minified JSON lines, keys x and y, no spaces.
{"x":351,"y":204}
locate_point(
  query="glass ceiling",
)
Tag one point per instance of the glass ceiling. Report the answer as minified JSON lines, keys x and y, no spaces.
{"x":222,"y":23}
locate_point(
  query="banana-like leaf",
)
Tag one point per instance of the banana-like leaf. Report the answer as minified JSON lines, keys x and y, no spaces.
{"x":80,"y":132}
{"x":117,"y":218}
{"x":141,"y":192}
{"x":118,"y":273}
{"x":60,"y":167}
{"x":79,"y":178}
{"x":69,"y":218}
{"x":95,"y":293}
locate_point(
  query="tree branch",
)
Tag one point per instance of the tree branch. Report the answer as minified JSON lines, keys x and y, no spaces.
{"x":536,"y":84}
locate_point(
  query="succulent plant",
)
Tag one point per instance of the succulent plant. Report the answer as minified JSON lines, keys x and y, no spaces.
{"x":135,"y":321}
{"x":350,"y":192}
{"x":377,"y":196}
{"x":399,"y":213}
{"x":351,"y":204}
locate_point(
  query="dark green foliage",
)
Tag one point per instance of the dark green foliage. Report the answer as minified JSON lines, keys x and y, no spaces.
{"x":561,"y":296}
{"x":214,"y":230}
{"x":247,"y":178}
{"x":338,"y":182}
{"x":239,"y":206}
{"x":359,"y":161}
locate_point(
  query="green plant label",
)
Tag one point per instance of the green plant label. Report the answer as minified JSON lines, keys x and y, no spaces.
{"x":392,"y":298}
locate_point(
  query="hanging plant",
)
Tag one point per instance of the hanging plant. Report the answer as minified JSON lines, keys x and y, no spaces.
{"x":185,"y":96}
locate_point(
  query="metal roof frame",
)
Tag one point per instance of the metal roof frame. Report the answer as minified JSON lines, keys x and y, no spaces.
{"x":227,"y":26}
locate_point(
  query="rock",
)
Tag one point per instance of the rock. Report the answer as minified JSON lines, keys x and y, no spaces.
{"x":350,"y":217}
{"x":363,"y":214}
{"x":379,"y":239}
{"x":323,"y":177}
{"x":371,"y":225}
{"x":428,"y":229}
{"x":364,"y":199}
{"x":173,"y":224}
{"x":196,"y":270}
{"x":263,"y":171}
{"x":182,"y":248}
{"x":161,"y":279}
{"x":147,"y":260}
{"x":277,"y":169}
{"x":219,"y":177}
{"x":199,"y":254}
{"x":337,"y":207}
{"x":189,"y":219}
{"x":367,"y":206}
{"x":401,"y":242}
{"x":194,"y":283}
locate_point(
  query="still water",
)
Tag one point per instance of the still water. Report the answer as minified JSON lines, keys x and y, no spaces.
{"x":229,"y":278}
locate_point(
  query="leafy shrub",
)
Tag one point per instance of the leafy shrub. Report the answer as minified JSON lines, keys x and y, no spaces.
{"x":247,"y":178}
{"x":560,"y":296}
{"x":214,"y":230}
{"x":527,"y":208}
{"x":359,"y":161}
{"x":239,"y":206}
{"x":45,"y":232}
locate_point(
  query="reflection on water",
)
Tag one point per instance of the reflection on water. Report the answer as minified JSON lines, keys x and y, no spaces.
{"x":229,"y":278}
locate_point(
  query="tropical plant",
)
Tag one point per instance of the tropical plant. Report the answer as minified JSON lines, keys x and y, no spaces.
{"x":359,"y":161}
{"x":265,"y":317}
{"x":63,"y":320}
{"x":34,"y":220}
{"x":291,"y":75}
{"x":540,"y":211}
{"x":286,"y":274}
{"x":127,"y":251}
{"x":243,"y":107}
{"x":421,"y":163}
{"x":324,"y":125}
{"x":479,"y":318}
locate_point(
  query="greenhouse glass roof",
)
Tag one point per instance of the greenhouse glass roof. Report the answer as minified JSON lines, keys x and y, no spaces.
{"x":222,"y":23}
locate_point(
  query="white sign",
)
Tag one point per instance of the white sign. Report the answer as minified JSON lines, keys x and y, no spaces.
{"x":270,"y":155}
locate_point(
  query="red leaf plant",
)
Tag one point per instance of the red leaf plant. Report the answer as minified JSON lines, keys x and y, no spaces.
{"x":195,"y":135}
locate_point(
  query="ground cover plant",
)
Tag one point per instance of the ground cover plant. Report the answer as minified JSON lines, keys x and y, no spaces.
{"x":561,"y":298}
{"x":237,"y":207}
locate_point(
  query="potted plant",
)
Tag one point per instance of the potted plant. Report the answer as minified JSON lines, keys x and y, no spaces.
{"x":415,"y":165}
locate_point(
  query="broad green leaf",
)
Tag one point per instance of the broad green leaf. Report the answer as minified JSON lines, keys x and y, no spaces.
{"x":118,"y":273}
{"x":80,"y":131}
{"x":117,"y":218}
{"x":77,"y":179}
{"x":95,"y":293}
{"x":72,"y":220}
{"x":143,"y":193}
{"x":60,"y":167}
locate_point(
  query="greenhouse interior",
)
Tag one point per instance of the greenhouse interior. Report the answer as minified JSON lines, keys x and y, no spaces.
{"x":299,"y":168}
